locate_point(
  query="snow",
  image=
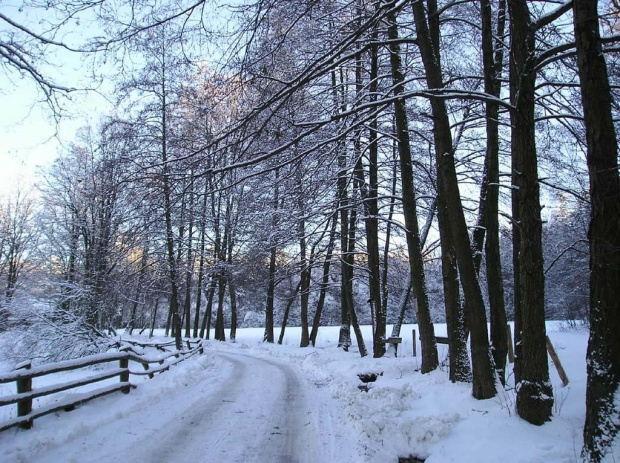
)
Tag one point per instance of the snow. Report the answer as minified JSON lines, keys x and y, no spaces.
{"x":252,"y":401}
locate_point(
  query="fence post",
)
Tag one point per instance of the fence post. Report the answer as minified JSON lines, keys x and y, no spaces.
{"x":24,"y":407}
{"x":146,"y":368}
{"x":124,"y":376}
{"x":414,"y":344}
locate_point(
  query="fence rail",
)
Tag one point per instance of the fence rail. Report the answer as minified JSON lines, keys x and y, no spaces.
{"x":24,"y":373}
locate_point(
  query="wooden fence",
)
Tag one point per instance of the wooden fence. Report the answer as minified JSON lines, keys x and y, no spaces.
{"x":23,"y":374}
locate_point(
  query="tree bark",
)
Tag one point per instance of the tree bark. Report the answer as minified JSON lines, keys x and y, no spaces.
{"x":455,"y":316}
{"x":134,"y":308}
{"x":172,"y":263}
{"x":388,"y":236}
{"x":349,"y":283}
{"x":371,"y":213}
{"x":344,"y":337}
{"x":406,"y":295}
{"x":287,"y":311}
{"x":489,"y":196}
{"x":304,"y":276}
{"x":603,"y":357}
{"x":534,"y":391}
{"x":233,"y":308}
{"x":205,"y":328}
{"x":189,"y":271}
{"x":271,"y":285}
{"x":201,"y":263}
{"x":325,"y":280}
{"x":220,"y":335}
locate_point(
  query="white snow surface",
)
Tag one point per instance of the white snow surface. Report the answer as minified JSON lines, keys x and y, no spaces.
{"x":255,"y":402}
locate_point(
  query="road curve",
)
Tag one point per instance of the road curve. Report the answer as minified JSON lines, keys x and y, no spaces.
{"x":252,"y":410}
{"x":259,"y":413}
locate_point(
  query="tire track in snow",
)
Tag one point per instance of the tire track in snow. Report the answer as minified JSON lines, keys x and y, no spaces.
{"x":251,"y":410}
{"x":259,"y":413}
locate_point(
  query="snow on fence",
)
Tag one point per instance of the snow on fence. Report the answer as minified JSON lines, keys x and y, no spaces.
{"x":23,"y":374}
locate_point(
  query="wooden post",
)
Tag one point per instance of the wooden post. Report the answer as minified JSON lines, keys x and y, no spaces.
{"x":124,"y":376}
{"x":146,"y":368}
{"x":414,"y":344}
{"x":556,"y":362}
{"x":24,"y":407}
{"x":511,"y":352}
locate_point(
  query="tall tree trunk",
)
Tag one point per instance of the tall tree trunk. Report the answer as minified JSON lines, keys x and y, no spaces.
{"x":406,"y":295}
{"x":222,"y":280}
{"x":489,"y":196}
{"x":189,"y":271}
{"x":602,"y":424}
{"x":483,"y":378}
{"x":534,"y":391}
{"x":430,"y":359}
{"x":388,"y":236}
{"x":205,"y":328}
{"x":230,"y":244}
{"x":168,"y":320}
{"x":304,"y":277}
{"x":141,"y":275}
{"x":287,"y":311}
{"x":216,"y":209}
{"x":154,"y":318}
{"x":220,"y":335}
{"x":172,"y":262}
{"x":344,"y":337}
{"x":233,"y":308}
{"x":201,"y":263}
{"x":455,"y":316}
{"x":372,"y":246}
{"x":271,"y":285}
{"x":172,"y":268}
{"x":349,"y":286}
{"x":369,"y":195}
{"x":324,"y":281}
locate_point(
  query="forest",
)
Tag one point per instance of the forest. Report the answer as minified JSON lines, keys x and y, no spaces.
{"x":328,"y":162}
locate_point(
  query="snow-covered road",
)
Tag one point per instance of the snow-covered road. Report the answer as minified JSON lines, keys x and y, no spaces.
{"x":251,"y":410}
{"x":258,"y":412}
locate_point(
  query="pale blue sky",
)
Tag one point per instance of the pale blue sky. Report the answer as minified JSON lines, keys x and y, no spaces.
{"x":30,"y":137}
{"x":29,"y":134}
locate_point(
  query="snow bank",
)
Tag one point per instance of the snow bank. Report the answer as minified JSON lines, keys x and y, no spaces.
{"x":406,"y":413}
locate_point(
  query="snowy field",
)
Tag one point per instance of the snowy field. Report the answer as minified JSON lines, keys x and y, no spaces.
{"x":404,"y":413}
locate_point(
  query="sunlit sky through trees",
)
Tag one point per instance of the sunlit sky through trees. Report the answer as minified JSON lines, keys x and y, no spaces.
{"x":33,"y":132}
{"x":31,"y":136}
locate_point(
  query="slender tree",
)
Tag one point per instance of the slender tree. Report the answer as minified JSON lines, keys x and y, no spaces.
{"x":430,"y":359}
{"x":428,"y":40}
